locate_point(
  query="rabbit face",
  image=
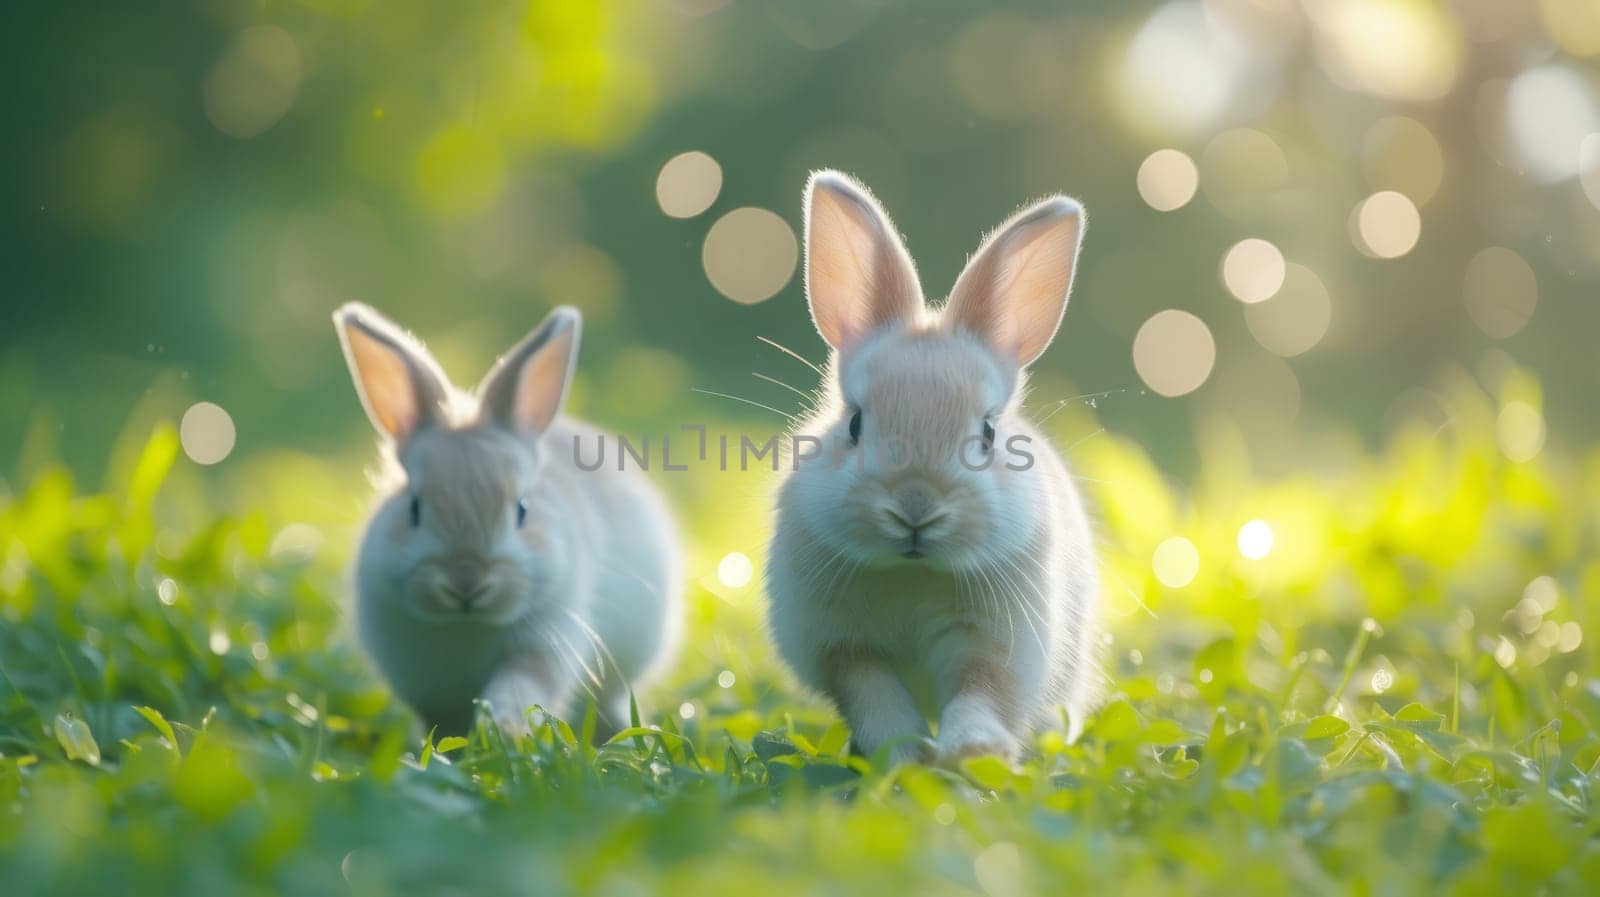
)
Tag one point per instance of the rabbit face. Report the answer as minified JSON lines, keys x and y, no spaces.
{"x":919,"y":470}
{"x":929,"y":459}
{"x":464,"y":541}
{"x":466,"y":538}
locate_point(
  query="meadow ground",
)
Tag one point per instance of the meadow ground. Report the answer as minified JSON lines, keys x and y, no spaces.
{"x":1398,"y":694}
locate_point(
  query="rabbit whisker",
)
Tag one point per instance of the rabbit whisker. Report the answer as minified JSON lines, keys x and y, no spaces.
{"x":722,"y":395}
{"x":774,"y":380}
{"x":792,"y":354}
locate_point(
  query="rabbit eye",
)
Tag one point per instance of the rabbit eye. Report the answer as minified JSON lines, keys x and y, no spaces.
{"x":855,"y":427}
{"x":522,"y":512}
{"x":988,"y":436}
{"x":416,"y":511}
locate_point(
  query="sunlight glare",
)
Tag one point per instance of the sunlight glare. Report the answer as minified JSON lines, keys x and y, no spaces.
{"x":735,"y":570}
{"x":1176,"y":562}
{"x":1255,"y":540}
{"x":1549,"y":111}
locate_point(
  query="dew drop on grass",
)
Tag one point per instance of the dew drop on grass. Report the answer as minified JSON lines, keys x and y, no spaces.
{"x":1381,"y":680}
{"x":76,"y":740}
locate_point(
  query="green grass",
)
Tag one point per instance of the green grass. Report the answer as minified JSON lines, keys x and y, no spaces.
{"x":1383,"y":705}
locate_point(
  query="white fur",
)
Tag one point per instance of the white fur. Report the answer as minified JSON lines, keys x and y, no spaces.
{"x":581,"y":601}
{"x":1008,"y":584}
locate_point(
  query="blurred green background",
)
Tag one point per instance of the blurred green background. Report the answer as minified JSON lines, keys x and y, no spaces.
{"x":194,"y":190}
{"x":1326,"y":377}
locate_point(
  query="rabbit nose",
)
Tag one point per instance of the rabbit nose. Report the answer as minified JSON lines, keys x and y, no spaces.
{"x":916,"y":507}
{"x":465,"y":579}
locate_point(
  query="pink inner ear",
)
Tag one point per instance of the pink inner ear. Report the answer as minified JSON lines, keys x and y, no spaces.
{"x":1014,"y":292}
{"x":858,"y":275}
{"x":401,"y":389}
{"x":542,"y":384}
{"x":385,"y":382}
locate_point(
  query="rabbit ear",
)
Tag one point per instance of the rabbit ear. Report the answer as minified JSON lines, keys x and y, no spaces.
{"x":528,"y":385}
{"x":399,"y":383}
{"x":1014,"y":291}
{"x":858,"y":275}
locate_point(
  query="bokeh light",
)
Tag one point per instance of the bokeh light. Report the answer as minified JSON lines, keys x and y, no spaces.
{"x":254,"y":83}
{"x":1549,"y":111}
{"x":750,"y":254}
{"x":1174,"y":352}
{"x":1253,"y":270}
{"x":1348,"y":439}
{"x":1589,"y":167}
{"x":688,"y":184}
{"x":1393,"y":50}
{"x":1294,"y":320}
{"x":1167,"y":180}
{"x":1387,"y":225}
{"x":1543,"y":592}
{"x":1179,"y":74}
{"x":1401,"y":154}
{"x":1500,"y":291}
{"x":207,"y":433}
{"x":1573,"y":24}
{"x":1175,"y":562}
{"x":735,"y":570}
{"x":1241,"y":170}
{"x":1520,"y":431}
{"x":1255,"y":540}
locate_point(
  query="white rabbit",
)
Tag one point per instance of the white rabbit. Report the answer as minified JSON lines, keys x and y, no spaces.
{"x":495,"y":567}
{"x":905,"y":584}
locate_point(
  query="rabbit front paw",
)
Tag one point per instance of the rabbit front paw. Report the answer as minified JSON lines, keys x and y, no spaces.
{"x":971,"y":732}
{"x":513,"y":705}
{"x":912,"y":750}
